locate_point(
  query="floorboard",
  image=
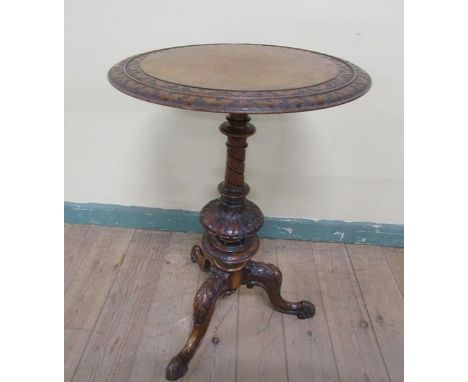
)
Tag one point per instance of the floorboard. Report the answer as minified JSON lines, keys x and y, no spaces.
{"x":74,"y":346}
{"x":128,"y":310}
{"x":75,"y":253}
{"x":170,"y":311}
{"x":92,"y":268}
{"x":356,"y":349}
{"x":384,"y":304}
{"x":103,"y":251}
{"x":394,"y":258}
{"x":309,"y":348}
{"x":111,"y":351}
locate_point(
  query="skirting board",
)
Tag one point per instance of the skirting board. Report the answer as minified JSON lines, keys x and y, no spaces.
{"x":332,"y":231}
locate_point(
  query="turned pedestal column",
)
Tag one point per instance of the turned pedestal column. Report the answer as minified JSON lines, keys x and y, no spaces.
{"x":230,"y":242}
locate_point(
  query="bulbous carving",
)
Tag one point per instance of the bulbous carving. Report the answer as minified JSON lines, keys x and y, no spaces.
{"x":231,"y":221}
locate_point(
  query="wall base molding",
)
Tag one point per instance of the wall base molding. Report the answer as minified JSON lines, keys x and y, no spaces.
{"x":332,"y":231}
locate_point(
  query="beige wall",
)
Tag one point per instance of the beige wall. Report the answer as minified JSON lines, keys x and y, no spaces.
{"x":343,"y":163}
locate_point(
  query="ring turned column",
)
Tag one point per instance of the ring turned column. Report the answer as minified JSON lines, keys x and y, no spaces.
{"x":232,"y":221}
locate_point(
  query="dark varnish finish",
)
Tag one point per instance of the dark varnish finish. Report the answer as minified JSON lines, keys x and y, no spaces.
{"x":238,"y":79}
{"x":230,"y":241}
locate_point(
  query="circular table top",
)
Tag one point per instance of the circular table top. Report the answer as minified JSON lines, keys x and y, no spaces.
{"x":240,"y":78}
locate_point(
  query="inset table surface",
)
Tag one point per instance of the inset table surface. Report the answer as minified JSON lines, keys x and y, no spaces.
{"x":240,"y":78}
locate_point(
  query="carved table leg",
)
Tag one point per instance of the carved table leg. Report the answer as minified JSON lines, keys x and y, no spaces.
{"x":205,"y":300}
{"x":268,"y":276}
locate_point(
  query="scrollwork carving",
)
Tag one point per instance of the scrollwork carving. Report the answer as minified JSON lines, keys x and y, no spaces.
{"x":198,"y":256}
{"x":230,"y":241}
{"x":268,"y":276}
{"x":261,"y":270}
{"x":206,"y":297}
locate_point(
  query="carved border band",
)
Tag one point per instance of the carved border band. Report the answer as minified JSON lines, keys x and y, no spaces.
{"x":350,"y":83}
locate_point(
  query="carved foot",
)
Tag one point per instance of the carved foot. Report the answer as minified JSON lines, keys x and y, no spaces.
{"x":197,"y":256}
{"x":268,"y":276}
{"x":203,"y":306}
{"x":176,"y":368}
{"x":307,"y":311}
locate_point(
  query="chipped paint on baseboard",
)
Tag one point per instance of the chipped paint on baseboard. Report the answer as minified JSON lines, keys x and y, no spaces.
{"x":333,"y":231}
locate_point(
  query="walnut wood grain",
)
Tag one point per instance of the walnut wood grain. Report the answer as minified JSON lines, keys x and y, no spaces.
{"x":230,"y":241}
{"x":237,"y":79}
{"x":232,"y":221}
{"x":203,"y":307}
{"x":239,"y":67}
{"x":269,"y":277}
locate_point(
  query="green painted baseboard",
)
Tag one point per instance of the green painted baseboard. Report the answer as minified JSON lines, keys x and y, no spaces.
{"x":334,"y":231}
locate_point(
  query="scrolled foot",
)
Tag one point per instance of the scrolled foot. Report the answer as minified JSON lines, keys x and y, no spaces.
{"x":176,"y":369}
{"x":307,"y":310}
{"x":197,"y":256}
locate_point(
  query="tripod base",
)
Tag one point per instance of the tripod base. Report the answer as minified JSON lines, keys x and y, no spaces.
{"x":229,"y":244}
{"x":255,"y":273}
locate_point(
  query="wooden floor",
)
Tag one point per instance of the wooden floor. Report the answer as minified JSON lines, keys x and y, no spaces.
{"x":128,"y":309}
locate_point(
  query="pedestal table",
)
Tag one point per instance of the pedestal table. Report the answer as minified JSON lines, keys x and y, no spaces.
{"x":237,"y":79}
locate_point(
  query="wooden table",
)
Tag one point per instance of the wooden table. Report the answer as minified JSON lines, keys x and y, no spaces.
{"x":237,"y":79}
